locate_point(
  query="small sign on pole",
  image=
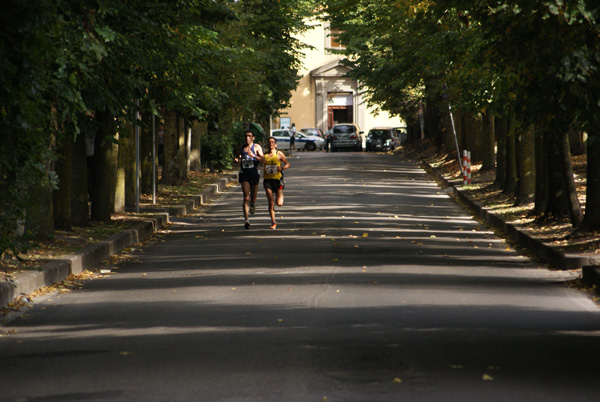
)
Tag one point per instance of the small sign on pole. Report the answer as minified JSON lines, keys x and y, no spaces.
{"x":468,"y":167}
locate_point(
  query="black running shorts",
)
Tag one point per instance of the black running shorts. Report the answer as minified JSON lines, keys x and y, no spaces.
{"x":273,"y":184}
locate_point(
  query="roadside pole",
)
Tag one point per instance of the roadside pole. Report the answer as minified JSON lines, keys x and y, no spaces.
{"x":454,"y":131}
{"x":137,"y":157}
{"x":153,"y":159}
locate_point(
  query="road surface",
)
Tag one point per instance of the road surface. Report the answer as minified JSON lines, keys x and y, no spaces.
{"x":374,"y":287}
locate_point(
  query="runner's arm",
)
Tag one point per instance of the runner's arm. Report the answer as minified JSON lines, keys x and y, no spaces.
{"x":258,"y":155}
{"x":238,"y":158}
{"x":282,"y":158}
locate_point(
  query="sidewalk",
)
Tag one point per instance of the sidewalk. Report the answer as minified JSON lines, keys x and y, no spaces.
{"x":550,"y":255}
{"x":59,"y":269}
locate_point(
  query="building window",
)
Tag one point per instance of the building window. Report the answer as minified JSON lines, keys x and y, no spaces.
{"x":332,"y":39}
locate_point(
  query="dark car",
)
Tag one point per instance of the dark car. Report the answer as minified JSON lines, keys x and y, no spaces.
{"x":346,"y":136}
{"x":381,"y":139}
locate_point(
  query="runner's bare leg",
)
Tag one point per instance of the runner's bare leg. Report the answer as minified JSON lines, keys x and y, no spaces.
{"x":246,"y":203}
{"x":271,"y":201}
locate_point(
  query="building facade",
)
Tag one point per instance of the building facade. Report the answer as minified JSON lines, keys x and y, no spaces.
{"x":325,"y":96}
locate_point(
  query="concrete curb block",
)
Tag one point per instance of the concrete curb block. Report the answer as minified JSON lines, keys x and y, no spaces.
{"x":57,"y":270}
{"x":550,"y":255}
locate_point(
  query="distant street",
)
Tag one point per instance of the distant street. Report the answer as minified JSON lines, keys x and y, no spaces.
{"x":374,"y":287}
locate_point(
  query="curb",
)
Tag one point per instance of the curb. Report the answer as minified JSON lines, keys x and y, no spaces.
{"x":550,"y":255}
{"x":88,"y":257}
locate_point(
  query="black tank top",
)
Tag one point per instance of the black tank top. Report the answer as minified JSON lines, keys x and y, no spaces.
{"x":248,"y":162}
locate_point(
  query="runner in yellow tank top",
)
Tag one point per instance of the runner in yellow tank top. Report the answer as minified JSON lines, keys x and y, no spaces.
{"x":275,"y":163}
{"x":271,"y":167}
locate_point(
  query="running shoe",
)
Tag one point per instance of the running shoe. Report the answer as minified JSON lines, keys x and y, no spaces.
{"x":252,"y":209}
{"x":247,"y":225}
{"x":274,"y":226}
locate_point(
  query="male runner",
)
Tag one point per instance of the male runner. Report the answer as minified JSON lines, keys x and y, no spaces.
{"x":275,"y":163}
{"x":249,"y":176}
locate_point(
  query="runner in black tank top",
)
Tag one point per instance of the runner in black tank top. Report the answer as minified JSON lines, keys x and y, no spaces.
{"x":248,"y":158}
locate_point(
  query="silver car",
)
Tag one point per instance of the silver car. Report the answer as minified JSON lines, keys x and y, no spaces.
{"x":309,"y":142}
{"x":401,"y":134}
{"x":346,"y":136}
{"x":301,"y":140}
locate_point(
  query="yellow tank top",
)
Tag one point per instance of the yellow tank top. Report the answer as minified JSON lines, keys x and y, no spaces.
{"x":270,"y":169}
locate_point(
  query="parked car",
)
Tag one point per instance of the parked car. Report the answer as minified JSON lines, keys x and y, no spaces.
{"x":313,"y":131}
{"x":309,"y":142}
{"x":283,"y":136}
{"x":402,"y":134}
{"x":302,"y":141}
{"x":346,"y":136}
{"x":381,"y":139}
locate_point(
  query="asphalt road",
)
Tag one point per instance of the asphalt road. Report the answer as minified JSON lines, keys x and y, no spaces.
{"x":374,"y":287}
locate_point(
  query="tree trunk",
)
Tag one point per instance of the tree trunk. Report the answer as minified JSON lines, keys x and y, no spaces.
{"x":488,"y":156}
{"x":562,"y":194}
{"x":526,"y":160}
{"x":542,"y":173}
{"x":591,"y":220}
{"x":572,"y":199}
{"x":104,"y":163}
{"x":501,"y":129}
{"x":510,"y":184}
{"x":146,"y":154}
{"x":170,"y":172}
{"x":173,"y":149}
{"x":61,"y":197}
{"x":474,"y":134}
{"x":120,"y":176}
{"x":80,"y":211}
{"x":187,"y":141}
{"x":127,"y":162}
{"x":39,"y":221}
{"x":558,"y":205}
{"x":195,"y":159}
{"x":576,"y":142}
{"x":449,"y":143}
{"x":433,"y":120}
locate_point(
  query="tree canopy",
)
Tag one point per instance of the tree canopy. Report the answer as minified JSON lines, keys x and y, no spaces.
{"x":66,"y":62}
{"x":534,"y":58}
